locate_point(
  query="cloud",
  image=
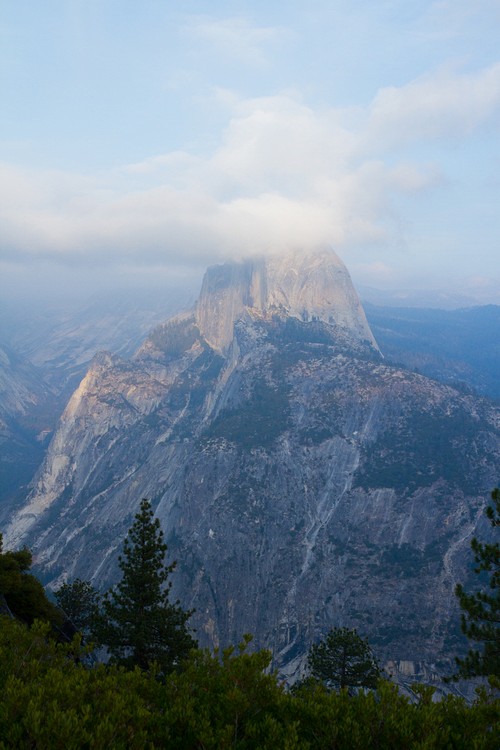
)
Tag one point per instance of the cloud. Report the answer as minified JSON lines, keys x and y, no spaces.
{"x":283,"y":174}
{"x":442,"y":105}
{"x":280,"y":143}
{"x":236,"y":38}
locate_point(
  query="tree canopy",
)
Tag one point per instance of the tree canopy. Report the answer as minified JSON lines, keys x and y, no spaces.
{"x":139,"y":624}
{"x":21,"y":592}
{"x":481,"y":610}
{"x":79,"y":601}
{"x":344,"y":660}
{"x":49,"y":699}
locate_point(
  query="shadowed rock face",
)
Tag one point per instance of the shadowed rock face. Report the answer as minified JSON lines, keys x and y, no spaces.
{"x":23,"y":425}
{"x":301,"y":482}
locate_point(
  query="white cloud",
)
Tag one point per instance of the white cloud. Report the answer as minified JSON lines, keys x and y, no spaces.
{"x":283,"y":174}
{"x":442,"y":105}
{"x":280,"y":143}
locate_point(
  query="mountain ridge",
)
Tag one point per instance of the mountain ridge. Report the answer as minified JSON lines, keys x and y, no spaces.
{"x":301,"y":481}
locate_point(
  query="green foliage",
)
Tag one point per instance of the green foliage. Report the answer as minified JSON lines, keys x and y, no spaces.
{"x":217,"y":704}
{"x":22,"y":592}
{"x":138,"y":623}
{"x":257,"y":421}
{"x":481,"y":610}
{"x":49,"y":700}
{"x":418,"y":448}
{"x":384,"y":719}
{"x":175,"y":338}
{"x":294,"y":331}
{"x":343,"y":660}
{"x":405,"y":560}
{"x":79,"y":601}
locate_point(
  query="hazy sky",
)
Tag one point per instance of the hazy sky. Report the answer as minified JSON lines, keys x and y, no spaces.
{"x":140,"y":139}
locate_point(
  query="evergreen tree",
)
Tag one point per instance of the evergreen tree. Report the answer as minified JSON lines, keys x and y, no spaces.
{"x":139,"y":624}
{"x":79,"y":601}
{"x":22,"y":593}
{"x":344,"y":660}
{"x":50,"y":699}
{"x":481,"y":611}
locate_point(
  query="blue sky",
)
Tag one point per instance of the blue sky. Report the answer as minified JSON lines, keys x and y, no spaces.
{"x":143,"y":140}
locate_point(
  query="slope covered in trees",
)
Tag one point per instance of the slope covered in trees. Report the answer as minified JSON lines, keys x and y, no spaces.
{"x":48,"y":699}
{"x":51,"y":697}
{"x":454,"y":346}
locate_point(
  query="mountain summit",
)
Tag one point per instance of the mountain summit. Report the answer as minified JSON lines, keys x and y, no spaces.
{"x":301,"y":481}
{"x":307,"y":285}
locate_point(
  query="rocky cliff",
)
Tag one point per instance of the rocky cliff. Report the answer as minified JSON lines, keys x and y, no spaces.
{"x":305,"y":285}
{"x":301,"y":482}
{"x":23,"y":425}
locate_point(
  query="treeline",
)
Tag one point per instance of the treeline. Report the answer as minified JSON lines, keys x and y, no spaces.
{"x":49,"y":699}
{"x":158,"y":689}
{"x":134,"y":623}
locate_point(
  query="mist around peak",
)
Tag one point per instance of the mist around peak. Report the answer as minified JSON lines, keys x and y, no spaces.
{"x":311,"y":285}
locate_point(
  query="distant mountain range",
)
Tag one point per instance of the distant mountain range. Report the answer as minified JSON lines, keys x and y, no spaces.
{"x":488,"y":293}
{"x":461,"y":347}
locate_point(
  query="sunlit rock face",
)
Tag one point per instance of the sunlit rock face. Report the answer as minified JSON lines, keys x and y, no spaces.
{"x":305,"y":285}
{"x":301,"y":481}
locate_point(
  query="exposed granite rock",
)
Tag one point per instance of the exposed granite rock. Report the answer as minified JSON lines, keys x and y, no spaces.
{"x":24,"y":425}
{"x":304,"y":285}
{"x":301,"y":482}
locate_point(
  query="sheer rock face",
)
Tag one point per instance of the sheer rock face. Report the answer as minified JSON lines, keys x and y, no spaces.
{"x":23,"y":425}
{"x":301,"y":482}
{"x":307,"y":286}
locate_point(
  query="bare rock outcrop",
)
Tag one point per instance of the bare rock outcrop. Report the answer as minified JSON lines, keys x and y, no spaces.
{"x":300,"y":480}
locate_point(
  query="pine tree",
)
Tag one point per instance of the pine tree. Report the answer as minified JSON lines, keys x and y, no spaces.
{"x":344,"y":660}
{"x":481,"y":611}
{"x":139,"y":624}
{"x":79,"y":601}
